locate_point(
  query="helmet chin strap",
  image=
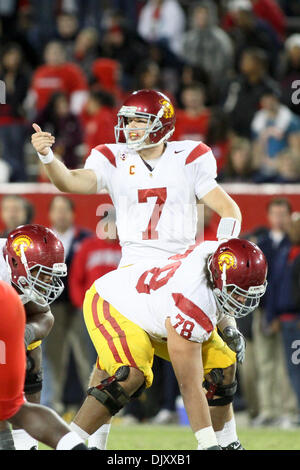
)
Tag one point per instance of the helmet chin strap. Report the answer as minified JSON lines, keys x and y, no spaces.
{"x":23,"y":258}
{"x":223,"y":276}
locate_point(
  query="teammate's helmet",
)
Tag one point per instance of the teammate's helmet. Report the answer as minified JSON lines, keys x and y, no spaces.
{"x":35,"y":259}
{"x":153,"y":106}
{"x":238,"y":270}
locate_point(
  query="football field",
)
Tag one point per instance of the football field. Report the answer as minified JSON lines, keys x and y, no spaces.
{"x":171,"y":437}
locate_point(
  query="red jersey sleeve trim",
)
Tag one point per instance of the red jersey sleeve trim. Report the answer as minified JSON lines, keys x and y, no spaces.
{"x":197,"y":152}
{"x":192,"y":310}
{"x":107,"y":153}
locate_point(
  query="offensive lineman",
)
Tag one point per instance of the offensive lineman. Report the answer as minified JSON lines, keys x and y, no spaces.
{"x":170,"y":309}
{"x":32,"y":259}
{"x":153,"y":183}
{"x":41,"y":422}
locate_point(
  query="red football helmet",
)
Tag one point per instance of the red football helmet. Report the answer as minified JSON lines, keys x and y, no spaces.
{"x":35,"y":259}
{"x":238,"y":270}
{"x":153,"y":106}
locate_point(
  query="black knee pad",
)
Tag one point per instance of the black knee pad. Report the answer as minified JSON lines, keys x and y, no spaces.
{"x":109,"y":393}
{"x":33,"y":382}
{"x":216,"y":387}
{"x":226,"y":392}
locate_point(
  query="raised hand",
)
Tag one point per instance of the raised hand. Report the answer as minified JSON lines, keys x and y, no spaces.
{"x":41,"y":141}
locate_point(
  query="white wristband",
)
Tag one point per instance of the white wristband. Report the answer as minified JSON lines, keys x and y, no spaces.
{"x":46,"y":158}
{"x":228,"y":228}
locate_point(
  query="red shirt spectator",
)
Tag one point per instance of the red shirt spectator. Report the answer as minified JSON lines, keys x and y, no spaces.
{"x":58,"y":75}
{"x":107,"y":74}
{"x":191,"y":127}
{"x":94,"y":258}
{"x":192,"y":122}
{"x":98,"y":121}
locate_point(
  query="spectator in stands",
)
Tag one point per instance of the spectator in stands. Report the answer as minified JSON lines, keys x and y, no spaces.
{"x":189,"y":75}
{"x":193,"y":120}
{"x":252,"y":32}
{"x":242,"y":96}
{"x":272,"y":127}
{"x":267,"y":10}
{"x":15,"y":211}
{"x":163,"y":22}
{"x":98,"y":120}
{"x":148,"y":75}
{"x":57,"y":75}
{"x":277,"y":400}
{"x":95,"y":257}
{"x":86,"y":50}
{"x":66,"y":32}
{"x":57,"y":118}
{"x":207,"y":45}
{"x":289,"y":73}
{"x":239,"y":166}
{"x":123,"y":44}
{"x":68,"y":333}
{"x":107,"y":77}
{"x":218,"y":137}
{"x":14,"y":73}
{"x":288,"y":166}
{"x":89,"y":13}
{"x":289,"y":308}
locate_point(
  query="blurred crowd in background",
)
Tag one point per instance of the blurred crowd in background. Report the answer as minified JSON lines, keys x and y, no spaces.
{"x":232,"y":69}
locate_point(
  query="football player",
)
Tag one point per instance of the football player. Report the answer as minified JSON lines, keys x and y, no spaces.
{"x":41,"y":422}
{"x":32,"y":259}
{"x":153,"y":182}
{"x":171,"y":309}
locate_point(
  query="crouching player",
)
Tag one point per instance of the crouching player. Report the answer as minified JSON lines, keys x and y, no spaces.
{"x":171,"y":310}
{"x":40,"y":422}
{"x":32,"y":260}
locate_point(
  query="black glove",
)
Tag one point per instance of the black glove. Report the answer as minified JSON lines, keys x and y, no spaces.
{"x":236,"y":341}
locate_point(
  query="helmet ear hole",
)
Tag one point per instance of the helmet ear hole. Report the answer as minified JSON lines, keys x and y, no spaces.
{"x":14,"y":262}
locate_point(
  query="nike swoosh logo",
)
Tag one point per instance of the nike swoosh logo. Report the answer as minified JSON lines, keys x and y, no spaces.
{"x":178,"y":151}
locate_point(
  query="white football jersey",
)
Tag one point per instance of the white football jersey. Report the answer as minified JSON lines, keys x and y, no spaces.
{"x":156,"y":210}
{"x":4,"y":273}
{"x":147,"y":293}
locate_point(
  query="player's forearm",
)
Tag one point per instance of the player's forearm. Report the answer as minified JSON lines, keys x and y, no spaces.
{"x":229,"y":208}
{"x":220,"y":202}
{"x":59,"y":175}
{"x":38,"y":327}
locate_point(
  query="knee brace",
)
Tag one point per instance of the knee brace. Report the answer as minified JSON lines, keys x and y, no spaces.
{"x":226,"y":392}
{"x":109,"y":393}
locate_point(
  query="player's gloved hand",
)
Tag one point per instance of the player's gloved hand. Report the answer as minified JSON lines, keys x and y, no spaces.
{"x":236,"y":341}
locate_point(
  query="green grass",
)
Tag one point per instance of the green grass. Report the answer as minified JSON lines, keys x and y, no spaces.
{"x":151,"y":437}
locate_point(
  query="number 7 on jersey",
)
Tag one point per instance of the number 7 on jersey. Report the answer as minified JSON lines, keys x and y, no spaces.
{"x":161,"y":195}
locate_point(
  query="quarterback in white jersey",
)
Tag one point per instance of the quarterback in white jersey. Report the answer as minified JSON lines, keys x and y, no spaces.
{"x":153,"y":183}
{"x":171,"y":309}
{"x":155,"y":209}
